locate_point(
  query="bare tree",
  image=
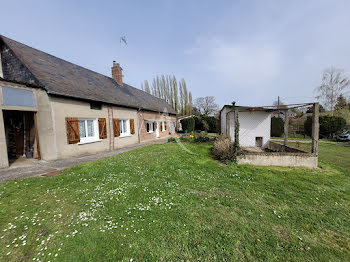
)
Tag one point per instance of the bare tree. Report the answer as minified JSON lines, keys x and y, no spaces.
{"x":334,"y":83}
{"x":206,"y":105}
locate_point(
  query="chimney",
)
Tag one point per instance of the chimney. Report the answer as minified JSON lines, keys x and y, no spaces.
{"x":117,"y":73}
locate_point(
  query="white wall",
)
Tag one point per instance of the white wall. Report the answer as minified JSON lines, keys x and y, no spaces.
{"x":252,"y":125}
{"x":223,"y":120}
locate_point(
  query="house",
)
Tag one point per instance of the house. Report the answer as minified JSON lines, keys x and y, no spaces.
{"x":53,"y":109}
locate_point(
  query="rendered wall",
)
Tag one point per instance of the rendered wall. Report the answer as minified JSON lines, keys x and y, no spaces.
{"x":44,"y":121}
{"x":64,"y":107}
{"x":251,"y":125}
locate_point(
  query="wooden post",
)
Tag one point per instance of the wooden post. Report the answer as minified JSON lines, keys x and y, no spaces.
{"x":315,"y":128}
{"x":236,"y":121}
{"x":37,"y":135}
{"x":286,"y":123}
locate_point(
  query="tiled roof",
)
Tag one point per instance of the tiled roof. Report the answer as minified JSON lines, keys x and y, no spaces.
{"x":63,"y":78}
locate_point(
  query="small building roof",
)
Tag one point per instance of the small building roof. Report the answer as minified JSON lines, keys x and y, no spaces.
{"x":60,"y":77}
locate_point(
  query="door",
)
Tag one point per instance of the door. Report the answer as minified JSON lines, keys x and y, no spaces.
{"x":157,"y":128}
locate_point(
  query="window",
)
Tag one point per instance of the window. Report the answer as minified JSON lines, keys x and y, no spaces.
{"x":124,"y":127}
{"x":163,"y":126}
{"x":18,"y":97}
{"x":96,"y":106}
{"x":88,"y":129}
{"x":149,"y":126}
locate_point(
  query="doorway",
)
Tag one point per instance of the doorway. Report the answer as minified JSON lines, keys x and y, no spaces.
{"x":258,"y":141}
{"x":20,"y":135}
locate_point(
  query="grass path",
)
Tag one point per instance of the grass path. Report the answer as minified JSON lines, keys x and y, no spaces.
{"x":163,"y":203}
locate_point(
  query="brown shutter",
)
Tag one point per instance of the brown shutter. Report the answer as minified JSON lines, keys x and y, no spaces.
{"x":161,"y":126}
{"x":165,"y":125}
{"x":132,"y":126}
{"x":116,"y":127}
{"x":154,"y":126}
{"x":73,"y":135}
{"x":102,"y":127}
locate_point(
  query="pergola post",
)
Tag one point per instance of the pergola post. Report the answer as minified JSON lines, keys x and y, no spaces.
{"x":315,"y":128}
{"x":236,"y":121}
{"x":286,"y":126}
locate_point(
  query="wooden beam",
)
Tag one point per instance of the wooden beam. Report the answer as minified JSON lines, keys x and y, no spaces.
{"x":37,"y":136}
{"x":315,"y":128}
{"x":286,"y":125}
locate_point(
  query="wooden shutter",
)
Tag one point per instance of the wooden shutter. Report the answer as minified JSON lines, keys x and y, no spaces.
{"x":116,"y":127}
{"x":132,"y":126}
{"x":161,"y":126}
{"x":154,"y":126}
{"x":73,"y":135}
{"x":165,"y":125}
{"x":102,"y":127}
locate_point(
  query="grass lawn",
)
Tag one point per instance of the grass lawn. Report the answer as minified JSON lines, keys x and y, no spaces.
{"x":337,"y":156}
{"x":164,"y":203}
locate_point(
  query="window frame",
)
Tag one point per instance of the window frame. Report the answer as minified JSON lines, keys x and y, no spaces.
{"x":163,"y":126}
{"x":124,"y":123}
{"x":95,"y":106}
{"x":150,"y":130}
{"x":89,"y":139}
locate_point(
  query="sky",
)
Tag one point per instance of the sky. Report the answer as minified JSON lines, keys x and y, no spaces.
{"x":244,"y":51}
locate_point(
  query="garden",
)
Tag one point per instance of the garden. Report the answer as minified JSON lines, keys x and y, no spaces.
{"x":165,"y":203}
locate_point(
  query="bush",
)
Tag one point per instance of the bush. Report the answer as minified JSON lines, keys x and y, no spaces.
{"x":171,"y":139}
{"x":201,"y":138}
{"x":277,"y":126}
{"x":223,"y":149}
{"x":212,"y":122}
{"x":329,"y":126}
{"x":198,"y":123}
{"x":188,"y":124}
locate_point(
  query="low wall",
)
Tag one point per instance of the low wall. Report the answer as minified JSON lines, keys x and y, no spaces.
{"x":279,"y":159}
{"x":279,"y":155}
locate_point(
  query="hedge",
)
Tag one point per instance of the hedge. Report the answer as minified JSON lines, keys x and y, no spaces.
{"x":329,"y":125}
{"x":188,"y":124}
{"x":277,"y":126}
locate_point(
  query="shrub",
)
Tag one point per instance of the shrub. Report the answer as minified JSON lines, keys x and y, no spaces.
{"x":201,"y":138}
{"x":198,"y":123}
{"x":188,"y":124}
{"x":205,"y":125}
{"x":329,"y":125}
{"x":277,"y":126}
{"x":223,"y":149}
{"x":212,"y":122}
{"x":171,"y":139}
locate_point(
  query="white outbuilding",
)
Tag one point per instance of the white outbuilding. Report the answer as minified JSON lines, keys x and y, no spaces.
{"x":254,"y":124}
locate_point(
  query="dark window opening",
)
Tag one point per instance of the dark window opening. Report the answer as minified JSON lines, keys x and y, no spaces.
{"x":95,"y":106}
{"x":258,"y":141}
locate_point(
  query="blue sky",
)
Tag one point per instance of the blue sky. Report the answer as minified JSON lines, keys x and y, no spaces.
{"x":246,"y":51}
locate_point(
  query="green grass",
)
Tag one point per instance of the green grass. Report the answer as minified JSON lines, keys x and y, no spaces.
{"x":164,"y":203}
{"x":334,"y":155}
